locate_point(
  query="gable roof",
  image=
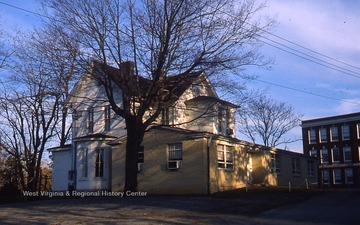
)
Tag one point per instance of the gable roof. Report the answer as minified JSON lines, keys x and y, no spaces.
{"x":175,"y":85}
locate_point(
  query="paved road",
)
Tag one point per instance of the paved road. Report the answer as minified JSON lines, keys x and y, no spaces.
{"x":332,"y":208}
{"x":336,"y":207}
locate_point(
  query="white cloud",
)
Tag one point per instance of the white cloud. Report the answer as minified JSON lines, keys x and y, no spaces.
{"x":348,"y":106}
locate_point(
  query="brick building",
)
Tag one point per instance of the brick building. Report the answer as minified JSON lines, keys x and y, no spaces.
{"x":336,"y":142}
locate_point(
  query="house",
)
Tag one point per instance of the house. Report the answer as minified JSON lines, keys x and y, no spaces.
{"x":190,"y":149}
{"x":277,"y":167}
{"x":335,"y":141}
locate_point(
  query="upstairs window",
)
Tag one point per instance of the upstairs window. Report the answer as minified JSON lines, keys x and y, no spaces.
{"x":221,"y":120}
{"x":335,"y":155}
{"x":225,"y":157}
{"x":90,"y":122}
{"x":313,"y":152}
{"x":312,"y":136}
{"x":347,"y":154}
{"x":99,"y":162}
{"x":334,"y":134}
{"x":358,"y":130}
{"x":323,"y":135}
{"x":345,"y":132}
{"x":107,"y":119}
{"x":324,"y":155}
{"x":167,"y":115}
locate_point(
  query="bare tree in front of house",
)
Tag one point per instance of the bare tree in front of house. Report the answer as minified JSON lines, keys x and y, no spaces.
{"x":266,"y":119}
{"x":31,"y":103}
{"x":163,"y":38}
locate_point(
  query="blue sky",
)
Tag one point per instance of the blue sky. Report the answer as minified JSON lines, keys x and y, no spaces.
{"x":329,"y":27}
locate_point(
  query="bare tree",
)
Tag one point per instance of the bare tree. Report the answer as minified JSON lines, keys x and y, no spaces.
{"x":31,"y":102}
{"x":266,"y":119}
{"x":163,"y":38}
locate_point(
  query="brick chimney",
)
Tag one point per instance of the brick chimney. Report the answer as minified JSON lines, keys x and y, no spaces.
{"x":127,"y":68}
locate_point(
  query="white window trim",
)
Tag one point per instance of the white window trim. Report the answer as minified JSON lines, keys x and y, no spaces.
{"x":334,"y":180}
{"x":226,"y":149}
{"x":323,"y":135}
{"x":331,"y":134}
{"x":332,"y":154}
{"x":342,"y":132}
{"x":345,"y":148}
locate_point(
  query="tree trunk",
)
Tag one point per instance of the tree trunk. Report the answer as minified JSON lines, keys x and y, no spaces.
{"x":135,"y":135}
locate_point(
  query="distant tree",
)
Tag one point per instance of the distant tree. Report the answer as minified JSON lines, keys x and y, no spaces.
{"x":163,"y":38}
{"x":32,"y":95}
{"x":268,"y":120}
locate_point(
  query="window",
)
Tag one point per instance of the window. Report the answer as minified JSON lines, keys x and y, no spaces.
{"x":326,"y":177}
{"x":335,"y":152}
{"x":323,"y":135}
{"x":334,"y":133}
{"x":311,"y":168}
{"x":313,"y":152}
{"x":347,"y":154}
{"x":84,"y":162}
{"x":99,"y":163}
{"x":225,"y":157}
{"x":221,"y":120}
{"x":312,"y":136}
{"x":349,"y":177}
{"x":296,"y":170}
{"x":107,"y":119}
{"x":358,"y":130}
{"x":275,"y":163}
{"x":278,"y":164}
{"x":337,"y":176}
{"x":167,"y":116}
{"x":324,"y":155}
{"x":175,"y":153}
{"x":90,"y":124}
{"x":345,"y":132}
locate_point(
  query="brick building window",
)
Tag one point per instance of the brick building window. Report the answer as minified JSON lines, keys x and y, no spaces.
{"x":324,"y":155}
{"x":313,"y":152}
{"x":345,"y":129}
{"x":312,"y":136}
{"x":358,"y":130}
{"x":349,"y":176}
{"x":323,"y":135}
{"x":334,"y":134}
{"x":337,"y":176}
{"x":335,"y":152}
{"x":347,"y":154}
{"x":326,"y":177}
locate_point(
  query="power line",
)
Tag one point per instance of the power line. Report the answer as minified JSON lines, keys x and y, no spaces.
{"x":25,"y":10}
{"x":324,"y":63}
{"x":307,"y":92}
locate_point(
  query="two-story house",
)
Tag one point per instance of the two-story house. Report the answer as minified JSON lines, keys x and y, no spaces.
{"x":190,"y":149}
{"x":335,"y":141}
